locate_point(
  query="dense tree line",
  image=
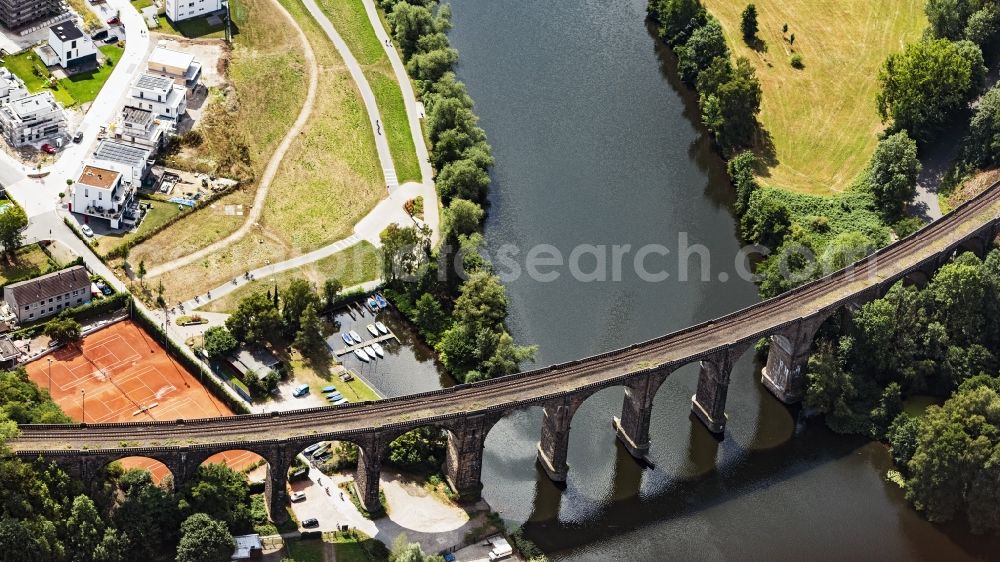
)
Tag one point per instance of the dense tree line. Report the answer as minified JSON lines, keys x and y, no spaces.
{"x":448,"y":291}
{"x":936,"y":341}
{"x":729,"y":93}
{"x":46,"y":516}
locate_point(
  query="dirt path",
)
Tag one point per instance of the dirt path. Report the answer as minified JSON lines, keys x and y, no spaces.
{"x":272,"y":166}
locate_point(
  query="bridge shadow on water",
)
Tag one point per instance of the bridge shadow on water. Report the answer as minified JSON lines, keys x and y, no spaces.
{"x":701,"y":484}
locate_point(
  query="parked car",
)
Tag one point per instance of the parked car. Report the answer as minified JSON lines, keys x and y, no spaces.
{"x":103,"y":287}
{"x":309,"y":450}
{"x":98,"y":35}
{"x":297,"y":496}
{"x":115,"y":21}
{"x":300,"y":390}
{"x":111,"y":39}
{"x":48,"y":148}
{"x":310,"y":523}
{"x":87,"y":231}
{"x":78,"y":137}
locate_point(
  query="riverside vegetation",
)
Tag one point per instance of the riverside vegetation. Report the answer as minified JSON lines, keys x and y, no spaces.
{"x":934,"y":341}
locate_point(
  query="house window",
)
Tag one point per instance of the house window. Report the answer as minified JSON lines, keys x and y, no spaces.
{"x":50,"y":300}
{"x":26,"y":307}
{"x":79,"y":300}
{"x":72,"y":45}
{"x":32,"y":315}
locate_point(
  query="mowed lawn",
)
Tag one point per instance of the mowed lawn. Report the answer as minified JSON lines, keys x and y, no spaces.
{"x":351,"y":22}
{"x":79,"y":88}
{"x":822,"y":119}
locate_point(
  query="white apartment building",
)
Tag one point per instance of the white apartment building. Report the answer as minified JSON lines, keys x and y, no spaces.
{"x":178,"y":10}
{"x":159,"y":95}
{"x":11,"y":87}
{"x":100,"y":192}
{"x":180,"y":67}
{"x":140,"y":127}
{"x":72,"y":48}
{"x":131,"y":161}
{"x":32,"y":119}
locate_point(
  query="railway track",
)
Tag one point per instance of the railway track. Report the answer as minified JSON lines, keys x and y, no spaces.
{"x":535,"y":387}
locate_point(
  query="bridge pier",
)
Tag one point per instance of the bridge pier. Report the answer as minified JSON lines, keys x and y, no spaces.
{"x":554,"y":445}
{"x":276,"y":484}
{"x":366,"y":477}
{"x":464,"y":463}
{"x":785,"y":372}
{"x":709,"y":401}
{"x":633,"y":426}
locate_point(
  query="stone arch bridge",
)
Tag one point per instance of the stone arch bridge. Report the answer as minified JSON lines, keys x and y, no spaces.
{"x":468,"y":411}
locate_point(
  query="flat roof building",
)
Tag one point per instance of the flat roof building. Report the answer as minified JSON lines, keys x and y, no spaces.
{"x":133,"y":161}
{"x":100,"y":192}
{"x":180,"y":67}
{"x":15,"y":14}
{"x":31,"y":119}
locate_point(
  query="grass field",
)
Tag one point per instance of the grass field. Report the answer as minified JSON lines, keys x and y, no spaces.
{"x":79,"y":88}
{"x":85,"y":86}
{"x":352,"y":266}
{"x":30,"y":262}
{"x":822,"y":119}
{"x":196,"y":28}
{"x":328,"y":180}
{"x":351,"y":21}
{"x":159,"y":212}
{"x":263,"y":55}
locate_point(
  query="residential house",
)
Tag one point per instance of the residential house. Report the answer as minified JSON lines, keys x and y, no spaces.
{"x":15,"y":14}
{"x":31,"y":119}
{"x":140,"y":127}
{"x":100,"y":192}
{"x":68,"y":47}
{"x":11,"y":87}
{"x":160,"y":95}
{"x":254,"y":360}
{"x":49,"y":294}
{"x":131,"y":161}
{"x":178,"y":10}
{"x":180,"y":67}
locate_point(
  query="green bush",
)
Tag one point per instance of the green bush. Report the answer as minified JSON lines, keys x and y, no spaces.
{"x":796,"y":61}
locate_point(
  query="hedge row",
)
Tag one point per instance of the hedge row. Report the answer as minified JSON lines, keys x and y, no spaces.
{"x":79,"y":313}
{"x":190,"y":363}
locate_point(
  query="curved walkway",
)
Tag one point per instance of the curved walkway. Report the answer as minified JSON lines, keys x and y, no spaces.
{"x":272,"y":166}
{"x":389,"y":210}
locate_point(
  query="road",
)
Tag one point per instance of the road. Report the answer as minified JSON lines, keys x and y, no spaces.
{"x":863,"y":280}
{"x":40,"y":196}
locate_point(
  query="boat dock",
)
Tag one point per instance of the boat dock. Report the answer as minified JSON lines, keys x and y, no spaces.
{"x":350,"y":349}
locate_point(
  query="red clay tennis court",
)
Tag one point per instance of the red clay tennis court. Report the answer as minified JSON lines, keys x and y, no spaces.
{"x":121,"y":374}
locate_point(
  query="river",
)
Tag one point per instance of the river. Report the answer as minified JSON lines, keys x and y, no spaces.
{"x":597,"y":143}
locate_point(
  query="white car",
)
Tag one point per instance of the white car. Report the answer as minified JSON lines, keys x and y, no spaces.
{"x":297,"y":496}
{"x":87,"y":231}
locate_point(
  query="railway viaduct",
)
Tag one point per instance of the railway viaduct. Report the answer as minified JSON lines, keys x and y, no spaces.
{"x":467,"y":412}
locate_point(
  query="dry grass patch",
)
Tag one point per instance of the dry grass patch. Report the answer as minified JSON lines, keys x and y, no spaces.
{"x":241,"y":127}
{"x":329,"y":179}
{"x":822,"y":118}
{"x":969,"y":189}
